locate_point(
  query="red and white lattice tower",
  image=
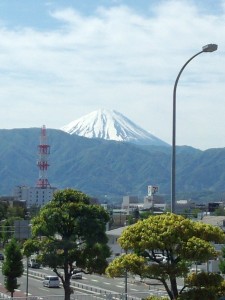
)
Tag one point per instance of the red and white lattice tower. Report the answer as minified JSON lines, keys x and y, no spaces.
{"x":44,"y":151}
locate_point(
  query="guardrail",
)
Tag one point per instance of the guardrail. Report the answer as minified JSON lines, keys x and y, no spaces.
{"x":91,"y":292}
{"x":91,"y":289}
{"x":75,"y":297}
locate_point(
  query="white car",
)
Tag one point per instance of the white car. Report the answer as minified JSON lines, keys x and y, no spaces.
{"x":161,"y":257}
{"x":76,"y":274}
{"x":51,"y":281}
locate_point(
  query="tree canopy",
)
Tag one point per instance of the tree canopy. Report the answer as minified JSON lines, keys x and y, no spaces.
{"x":12,"y":266}
{"x":69,"y":232}
{"x":207,"y":286}
{"x":179,"y":240}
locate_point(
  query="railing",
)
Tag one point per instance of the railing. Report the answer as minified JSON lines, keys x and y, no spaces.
{"x":154,"y":290}
{"x":96,"y":296}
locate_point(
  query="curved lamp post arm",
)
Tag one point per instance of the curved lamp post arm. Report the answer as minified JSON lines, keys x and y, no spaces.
{"x":181,"y":70}
{"x":207,"y":48}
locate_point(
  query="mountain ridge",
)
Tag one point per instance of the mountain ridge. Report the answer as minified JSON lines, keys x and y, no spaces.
{"x":100,"y":167}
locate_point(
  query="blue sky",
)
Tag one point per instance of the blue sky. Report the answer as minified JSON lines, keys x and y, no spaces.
{"x":60,"y":60}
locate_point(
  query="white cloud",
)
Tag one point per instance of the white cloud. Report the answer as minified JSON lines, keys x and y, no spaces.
{"x":118,"y":59}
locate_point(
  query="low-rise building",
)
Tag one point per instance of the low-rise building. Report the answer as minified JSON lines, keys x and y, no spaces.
{"x":113,"y":236}
{"x":130,"y":203}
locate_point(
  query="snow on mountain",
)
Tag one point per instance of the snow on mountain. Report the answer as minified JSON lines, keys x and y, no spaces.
{"x":111,"y":125}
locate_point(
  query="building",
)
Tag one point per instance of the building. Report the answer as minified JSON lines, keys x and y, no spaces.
{"x":212,"y":206}
{"x":118,"y":218}
{"x":22,"y":229}
{"x":13,"y":201}
{"x":34,"y":196}
{"x":113,"y":244}
{"x":183,"y":206}
{"x":152,"y":201}
{"x":130,"y":203}
{"x":218,"y":221}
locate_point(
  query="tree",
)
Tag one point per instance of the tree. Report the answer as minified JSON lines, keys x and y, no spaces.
{"x":3,"y":210}
{"x":69,"y":233}
{"x":8,"y":229}
{"x":12,"y":266}
{"x":145,"y":214}
{"x":207,"y":286}
{"x":219,"y":211}
{"x":16,"y":212}
{"x":33,"y":211}
{"x":180,"y":240}
{"x":222,"y":261}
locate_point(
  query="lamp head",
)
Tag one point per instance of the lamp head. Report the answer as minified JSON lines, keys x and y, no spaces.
{"x":209,"y":48}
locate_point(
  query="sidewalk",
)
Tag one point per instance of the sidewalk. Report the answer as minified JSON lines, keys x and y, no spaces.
{"x":5,"y":294}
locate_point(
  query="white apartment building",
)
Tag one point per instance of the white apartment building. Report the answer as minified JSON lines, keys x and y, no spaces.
{"x":34,"y":196}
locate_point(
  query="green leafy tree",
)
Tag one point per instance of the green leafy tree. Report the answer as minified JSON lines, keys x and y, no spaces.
{"x":180,"y":240}
{"x":220,"y":211}
{"x":3,"y":210}
{"x":195,"y":212}
{"x":222,"y":261}
{"x":12,"y":266}
{"x":145,"y":214}
{"x":207,"y":286}
{"x":3,"y":216}
{"x":69,"y":232}
{"x":16,"y":212}
{"x":7,"y":230}
{"x":33,"y":211}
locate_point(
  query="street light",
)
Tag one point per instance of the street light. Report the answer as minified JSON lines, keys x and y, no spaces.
{"x":207,"y":48}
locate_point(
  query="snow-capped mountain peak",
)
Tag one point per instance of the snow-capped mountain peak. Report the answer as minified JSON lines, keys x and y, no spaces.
{"x":111,"y":125}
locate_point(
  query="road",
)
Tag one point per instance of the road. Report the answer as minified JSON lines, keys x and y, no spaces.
{"x":91,"y":284}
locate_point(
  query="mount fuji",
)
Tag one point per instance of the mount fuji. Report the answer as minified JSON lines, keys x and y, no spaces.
{"x":111,"y":125}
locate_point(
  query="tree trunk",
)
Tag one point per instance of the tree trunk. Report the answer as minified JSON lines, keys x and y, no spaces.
{"x":168,"y":289}
{"x":65,"y":281}
{"x":66,"y":284}
{"x":173,"y":282}
{"x":67,"y":291}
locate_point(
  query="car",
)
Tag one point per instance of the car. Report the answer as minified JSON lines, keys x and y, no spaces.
{"x":76,"y":274}
{"x":161,"y":257}
{"x":195,"y":270}
{"x":34,"y":264}
{"x":51,"y":281}
{"x":1,"y":256}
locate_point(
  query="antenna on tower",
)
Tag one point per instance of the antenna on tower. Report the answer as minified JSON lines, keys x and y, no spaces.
{"x":43,"y":151}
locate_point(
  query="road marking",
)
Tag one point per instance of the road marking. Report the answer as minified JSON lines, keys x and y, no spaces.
{"x":120,"y":286}
{"x":134,"y":290}
{"x":43,"y":289}
{"x":95,"y":280}
{"x":106,"y":282}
